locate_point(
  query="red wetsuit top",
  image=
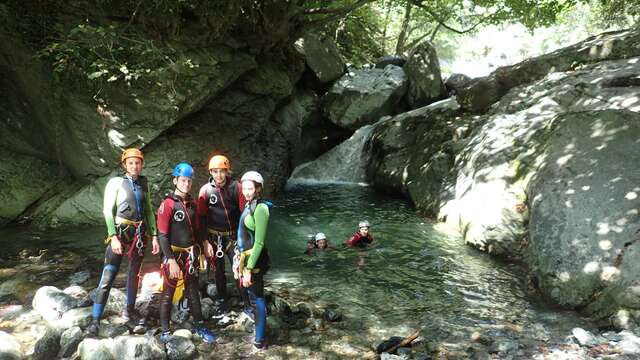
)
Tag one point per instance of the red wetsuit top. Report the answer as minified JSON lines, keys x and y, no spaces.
{"x":177,"y":223}
{"x":357,"y":240}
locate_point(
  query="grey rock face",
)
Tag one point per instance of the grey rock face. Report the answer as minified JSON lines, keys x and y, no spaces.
{"x":322,"y":56}
{"x":407,"y":153}
{"x":361,"y":97}
{"x":423,"y":73}
{"x":180,"y":348}
{"x":47,"y":344}
{"x":69,"y":341}
{"x":122,"y":347}
{"x":51,"y":303}
{"x":9,"y":347}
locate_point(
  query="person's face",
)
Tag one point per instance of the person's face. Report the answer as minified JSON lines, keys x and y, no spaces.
{"x":133,"y":166}
{"x":364,"y":231}
{"x":219,"y":176}
{"x":249,"y":190}
{"x":183,"y":184}
{"x":322,"y":243}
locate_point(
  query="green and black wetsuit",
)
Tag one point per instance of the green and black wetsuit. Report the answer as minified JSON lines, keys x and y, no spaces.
{"x":128,"y":214}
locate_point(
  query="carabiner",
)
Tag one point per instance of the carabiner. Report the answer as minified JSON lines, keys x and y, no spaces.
{"x":219,"y":251}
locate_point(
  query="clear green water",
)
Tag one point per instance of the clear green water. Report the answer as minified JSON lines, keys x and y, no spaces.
{"x":412,"y":276}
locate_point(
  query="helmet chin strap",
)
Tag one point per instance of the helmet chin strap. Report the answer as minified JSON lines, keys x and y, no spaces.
{"x":181,"y":193}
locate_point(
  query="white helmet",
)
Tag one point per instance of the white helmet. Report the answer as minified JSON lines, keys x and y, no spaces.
{"x":364,"y":223}
{"x":321,"y":236}
{"x":253,"y":176}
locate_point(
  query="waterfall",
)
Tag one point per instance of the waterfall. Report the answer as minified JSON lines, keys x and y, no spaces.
{"x":344,"y":163}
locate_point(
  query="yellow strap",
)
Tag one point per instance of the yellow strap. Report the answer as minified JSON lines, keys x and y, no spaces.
{"x":243,"y":256}
{"x":220,"y":233}
{"x":121,"y":220}
{"x":181,"y":249}
{"x":179,"y":292}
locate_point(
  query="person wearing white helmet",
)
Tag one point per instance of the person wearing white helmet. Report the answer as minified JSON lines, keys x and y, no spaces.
{"x":362,"y":237}
{"x":318,"y":242}
{"x":253,"y":260}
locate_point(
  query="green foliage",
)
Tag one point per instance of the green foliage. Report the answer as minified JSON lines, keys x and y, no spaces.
{"x":617,"y":12}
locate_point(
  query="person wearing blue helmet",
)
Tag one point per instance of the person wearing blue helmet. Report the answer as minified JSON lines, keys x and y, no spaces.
{"x":177,"y":233}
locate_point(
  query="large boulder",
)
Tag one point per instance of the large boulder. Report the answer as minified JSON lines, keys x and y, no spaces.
{"x":69,"y":341}
{"x":583,"y":242}
{"x":487,"y":199}
{"x":47,"y":344}
{"x":361,"y":97}
{"x":322,"y":56}
{"x":51,"y":303}
{"x":122,"y":347}
{"x":10,"y":348}
{"x":423,"y":72}
{"x":480,"y":93}
{"x":407,"y":154}
{"x":455,"y":82}
{"x":347,"y":161}
{"x":548,"y":174}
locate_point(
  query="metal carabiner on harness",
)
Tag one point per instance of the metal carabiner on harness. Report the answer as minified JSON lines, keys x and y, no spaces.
{"x":219,"y":251}
{"x":139,"y":242}
{"x":192,"y":259}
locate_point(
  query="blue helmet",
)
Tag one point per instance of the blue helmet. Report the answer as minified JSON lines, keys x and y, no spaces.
{"x":183,"y":169}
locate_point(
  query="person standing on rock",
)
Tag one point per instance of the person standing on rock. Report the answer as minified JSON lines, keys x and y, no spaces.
{"x":252,"y":262}
{"x":130,"y":219}
{"x":362,"y":237}
{"x":181,"y":249}
{"x":219,"y":204}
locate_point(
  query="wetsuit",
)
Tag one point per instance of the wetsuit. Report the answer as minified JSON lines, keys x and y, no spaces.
{"x":357,"y":240}
{"x":219,"y":212}
{"x":177,"y":227}
{"x":128,"y":214}
{"x":254,"y":256}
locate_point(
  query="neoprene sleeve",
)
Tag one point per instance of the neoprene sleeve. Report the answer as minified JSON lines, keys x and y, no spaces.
{"x":109,"y":204}
{"x":261,"y":219}
{"x":151,"y":218}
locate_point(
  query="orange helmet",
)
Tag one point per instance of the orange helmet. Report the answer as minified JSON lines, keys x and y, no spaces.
{"x":219,"y":162}
{"x":131,"y":152}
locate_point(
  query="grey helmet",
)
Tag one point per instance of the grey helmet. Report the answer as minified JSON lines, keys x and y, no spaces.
{"x":364,"y":223}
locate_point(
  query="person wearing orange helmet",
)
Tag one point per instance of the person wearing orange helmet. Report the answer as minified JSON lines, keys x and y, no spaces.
{"x":220,"y":202}
{"x":130,"y":219}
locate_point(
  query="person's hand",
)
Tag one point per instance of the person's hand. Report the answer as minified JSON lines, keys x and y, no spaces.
{"x":174,"y":269}
{"x":155,"y":247}
{"x":246,"y":278}
{"x":208,"y":249}
{"x":116,"y":246}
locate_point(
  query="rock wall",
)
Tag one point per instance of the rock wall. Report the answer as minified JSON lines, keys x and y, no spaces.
{"x":546,"y":173}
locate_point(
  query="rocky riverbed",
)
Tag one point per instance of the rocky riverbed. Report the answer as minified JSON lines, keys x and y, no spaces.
{"x":41,"y":321}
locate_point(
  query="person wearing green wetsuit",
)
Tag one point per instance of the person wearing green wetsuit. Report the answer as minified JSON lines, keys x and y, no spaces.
{"x":130,"y":219}
{"x":253,"y":260}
